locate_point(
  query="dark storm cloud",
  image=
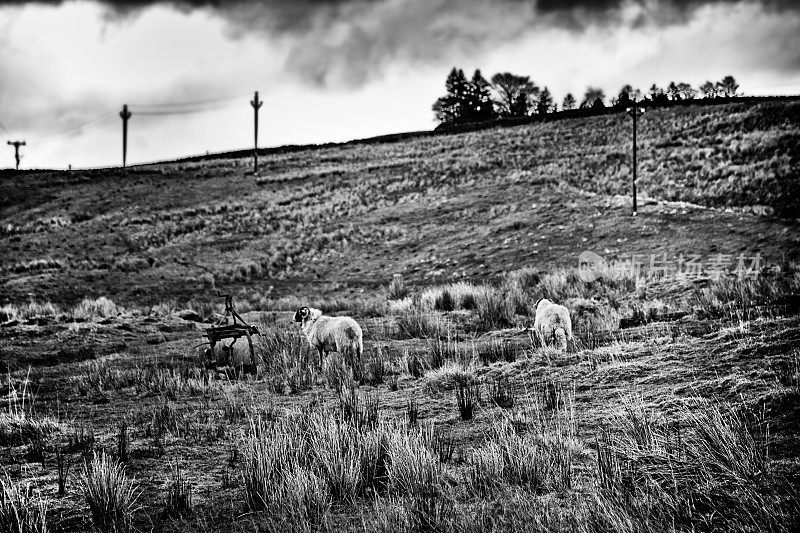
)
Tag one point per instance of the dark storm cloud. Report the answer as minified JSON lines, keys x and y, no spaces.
{"x":348,"y":42}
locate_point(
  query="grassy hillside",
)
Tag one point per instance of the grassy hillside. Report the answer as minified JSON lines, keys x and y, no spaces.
{"x":675,"y":409}
{"x":339,"y":219}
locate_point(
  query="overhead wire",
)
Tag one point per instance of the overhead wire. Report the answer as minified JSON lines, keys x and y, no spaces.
{"x":135,"y":111}
{"x":145,"y":110}
{"x":100,"y":119}
{"x":192,"y":103}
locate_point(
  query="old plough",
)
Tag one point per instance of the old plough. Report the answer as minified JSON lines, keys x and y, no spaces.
{"x":214,"y":356}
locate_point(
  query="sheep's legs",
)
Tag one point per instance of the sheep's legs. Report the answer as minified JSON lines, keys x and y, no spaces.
{"x":542,"y":339}
{"x":321,"y":354}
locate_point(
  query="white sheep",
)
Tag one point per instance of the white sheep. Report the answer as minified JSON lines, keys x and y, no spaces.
{"x":553,"y":322}
{"x":332,"y":334}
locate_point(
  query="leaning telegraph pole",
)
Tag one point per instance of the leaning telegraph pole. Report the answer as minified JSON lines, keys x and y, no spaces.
{"x":256,"y":106}
{"x":124,"y":115}
{"x":16,"y":145}
{"x":634,"y":112}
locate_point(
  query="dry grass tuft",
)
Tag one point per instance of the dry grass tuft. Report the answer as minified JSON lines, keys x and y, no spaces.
{"x":709,"y":466}
{"x":89,"y":309}
{"x":111,"y":495}
{"x":20,"y":510}
{"x":449,"y":376}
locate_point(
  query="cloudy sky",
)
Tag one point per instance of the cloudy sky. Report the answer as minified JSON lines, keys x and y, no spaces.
{"x":334,"y":70}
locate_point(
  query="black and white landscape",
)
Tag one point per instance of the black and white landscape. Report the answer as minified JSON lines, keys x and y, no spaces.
{"x":400,"y":266}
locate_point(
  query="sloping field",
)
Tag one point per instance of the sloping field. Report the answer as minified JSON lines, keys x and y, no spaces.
{"x":340,"y":219}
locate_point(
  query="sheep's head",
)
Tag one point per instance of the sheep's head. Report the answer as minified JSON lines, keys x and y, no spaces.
{"x":302,"y":314}
{"x":306,"y":314}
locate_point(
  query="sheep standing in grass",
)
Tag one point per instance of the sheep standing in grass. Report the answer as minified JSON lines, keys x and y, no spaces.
{"x":553,"y":324}
{"x":332,"y":334}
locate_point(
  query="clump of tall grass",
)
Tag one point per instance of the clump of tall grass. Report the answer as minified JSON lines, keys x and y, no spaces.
{"x":31,"y":311}
{"x":532,"y":450}
{"x":562,"y":284}
{"x":398,"y":289}
{"x":369,"y":307}
{"x":467,"y":398}
{"x":19,"y":424}
{"x":590,"y":318}
{"x":107,"y":375}
{"x":497,"y":350}
{"x":339,"y":461}
{"x":424,"y":513}
{"x":527,"y":278}
{"x":179,"y":493}
{"x":338,"y":374}
{"x":20,"y":510}
{"x":412,"y":467}
{"x":376,"y":368}
{"x":442,"y":350}
{"x":449,"y":376}
{"x":494,"y":311}
{"x":416,"y":323}
{"x":279,"y":348}
{"x":709,"y":466}
{"x":775,"y":294}
{"x":361,"y":412}
{"x":518,"y":299}
{"x":549,"y":394}
{"x":111,"y":495}
{"x":88,"y":309}
{"x":414,"y":364}
{"x":452,"y":297}
{"x":307,"y":496}
{"x":8,"y":313}
{"x":18,"y":428}
{"x":63,"y":465}
{"x":501,"y":393}
{"x":286,"y":357}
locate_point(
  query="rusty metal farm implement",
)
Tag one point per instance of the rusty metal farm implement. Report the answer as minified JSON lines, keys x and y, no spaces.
{"x":223,"y":355}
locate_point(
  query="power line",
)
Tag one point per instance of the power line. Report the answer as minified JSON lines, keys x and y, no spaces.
{"x":101,"y":119}
{"x":177,"y":111}
{"x":193,"y":103}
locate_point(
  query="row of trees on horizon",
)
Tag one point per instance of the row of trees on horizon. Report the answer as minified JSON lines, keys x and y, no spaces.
{"x":509,"y":95}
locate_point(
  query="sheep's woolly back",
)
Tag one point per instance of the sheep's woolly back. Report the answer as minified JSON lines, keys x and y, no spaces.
{"x":553,"y":321}
{"x":333,"y":333}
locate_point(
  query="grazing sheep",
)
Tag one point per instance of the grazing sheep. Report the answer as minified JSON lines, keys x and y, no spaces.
{"x":553,"y":322}
{"x":332,"y":334}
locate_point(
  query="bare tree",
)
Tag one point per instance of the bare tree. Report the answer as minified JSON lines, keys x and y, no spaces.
{"x":514,"y":94}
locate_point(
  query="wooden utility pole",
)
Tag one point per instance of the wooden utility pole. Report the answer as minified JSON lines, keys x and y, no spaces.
{"x":16,"y":145}
{"x":125,"y":115}
{"x":634,"y":112}
{"x":256,"y":106}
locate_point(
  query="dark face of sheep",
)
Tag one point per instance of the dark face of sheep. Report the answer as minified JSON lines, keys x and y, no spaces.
{"x":301,"y":314}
